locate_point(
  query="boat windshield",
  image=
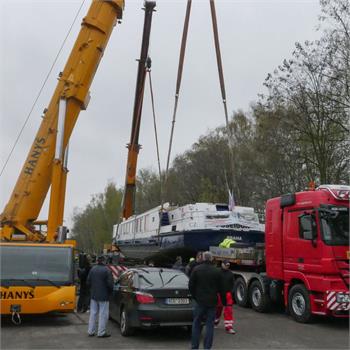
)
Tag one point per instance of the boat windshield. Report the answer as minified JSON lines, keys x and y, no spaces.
{"x":335,"y":225}
{"x":252,"y":217}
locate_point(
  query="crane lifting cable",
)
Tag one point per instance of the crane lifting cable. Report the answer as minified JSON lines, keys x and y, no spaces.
{"x":223,"y":93}
{"x":178,"y":81}
{"x":157,"y":147}
{"x":177,"y":91}
{"x":222,"y":86}
{"x":155,"y":128}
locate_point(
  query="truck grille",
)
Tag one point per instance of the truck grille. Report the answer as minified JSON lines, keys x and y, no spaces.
{"x":343,"y":266}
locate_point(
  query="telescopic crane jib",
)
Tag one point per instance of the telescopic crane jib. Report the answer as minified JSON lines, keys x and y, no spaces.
{"x":134,"y":147}
{"x":46,"y":163}
{"x":37,"y":273}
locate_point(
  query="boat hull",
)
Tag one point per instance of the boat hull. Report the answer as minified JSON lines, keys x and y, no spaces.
{"x":185,"y":243}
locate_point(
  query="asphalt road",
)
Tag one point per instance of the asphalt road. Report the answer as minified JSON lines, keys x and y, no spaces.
{"x":254,"y":331}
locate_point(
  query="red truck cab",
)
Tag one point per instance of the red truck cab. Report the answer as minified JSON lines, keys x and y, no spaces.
{"x":307,"y":250}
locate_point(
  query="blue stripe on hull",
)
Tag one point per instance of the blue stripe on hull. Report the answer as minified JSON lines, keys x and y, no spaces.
{"x":195,"y":240}
{"x":203,"y":239}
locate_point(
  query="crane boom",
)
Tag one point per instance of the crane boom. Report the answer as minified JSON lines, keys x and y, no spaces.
{"x":45,"y":163}
{"x":133,"y":146}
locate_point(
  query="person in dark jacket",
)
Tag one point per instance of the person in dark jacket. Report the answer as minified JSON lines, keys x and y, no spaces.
{"x":194,"y":263}
{"x":225,"y":300}
{"x":100,"y":280}
{"x":204,"y":286}
{"x":178,"y":264}
{"x":188,"y":266}
{"x":84,"y":290}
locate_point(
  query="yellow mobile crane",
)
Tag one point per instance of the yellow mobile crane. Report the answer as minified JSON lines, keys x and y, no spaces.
{"x":37,"y":261}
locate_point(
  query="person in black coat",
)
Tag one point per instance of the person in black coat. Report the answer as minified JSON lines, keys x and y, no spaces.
{"x":225,"y":301}
{"x":84,"y":290}
{"x":194,"y":263}
{"x":100,"y":280}
{"x":204,"y":286}
{"x":178,"y":264}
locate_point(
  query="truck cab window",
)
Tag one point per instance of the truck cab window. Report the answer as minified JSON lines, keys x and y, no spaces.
{"x":307,"y":226}
{"x":335,"y":225}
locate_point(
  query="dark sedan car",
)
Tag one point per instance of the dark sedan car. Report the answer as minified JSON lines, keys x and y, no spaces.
{"x":149,"y":297}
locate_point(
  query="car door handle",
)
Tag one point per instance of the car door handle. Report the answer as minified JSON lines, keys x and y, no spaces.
{"x":300,"y":260}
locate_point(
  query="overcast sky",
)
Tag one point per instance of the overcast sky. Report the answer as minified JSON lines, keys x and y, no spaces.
{"x":255,"y":38}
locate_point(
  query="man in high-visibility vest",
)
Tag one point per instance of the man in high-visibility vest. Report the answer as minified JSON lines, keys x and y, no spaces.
{"x":227,"y":242}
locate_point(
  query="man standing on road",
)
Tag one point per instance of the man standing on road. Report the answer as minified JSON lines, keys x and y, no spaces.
{"x":204,"y":286}
{"x":100,"y":280}
{"x":194,"y":263}
{"x":225,"y":301}
{"x":178,"y":264}
{"x":84,"y":292}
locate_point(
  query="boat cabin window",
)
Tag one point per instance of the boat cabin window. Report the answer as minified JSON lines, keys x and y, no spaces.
{"x":217,"y":216}
{"x":222,"y":207}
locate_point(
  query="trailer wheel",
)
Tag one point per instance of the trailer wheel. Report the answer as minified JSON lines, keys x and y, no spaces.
{"x":299,"y":304}
{"x":259,"y":300}
{"x":240,"y":292}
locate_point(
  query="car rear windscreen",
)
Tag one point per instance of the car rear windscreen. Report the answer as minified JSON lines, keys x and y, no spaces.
{"x":163,"y":279}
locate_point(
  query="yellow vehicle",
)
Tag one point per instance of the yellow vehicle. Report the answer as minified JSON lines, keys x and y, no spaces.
{"x":36,"y":258}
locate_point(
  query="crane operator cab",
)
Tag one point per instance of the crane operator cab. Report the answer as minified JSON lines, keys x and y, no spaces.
{"x":37,"y":278}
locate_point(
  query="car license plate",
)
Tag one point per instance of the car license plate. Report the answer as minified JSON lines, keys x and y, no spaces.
{"x":343,"y":298}
{"x":177,"y":301}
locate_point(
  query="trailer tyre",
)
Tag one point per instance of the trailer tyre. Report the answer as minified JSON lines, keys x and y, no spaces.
{"x":299,"y":304}
{"x":259,"y":300}
{"x":240,"y":292}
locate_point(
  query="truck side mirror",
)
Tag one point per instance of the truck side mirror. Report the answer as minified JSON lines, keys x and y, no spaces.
{"x":307,"y":227}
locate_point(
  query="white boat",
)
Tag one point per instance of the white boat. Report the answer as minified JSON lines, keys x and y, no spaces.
{"x":187,"y":229}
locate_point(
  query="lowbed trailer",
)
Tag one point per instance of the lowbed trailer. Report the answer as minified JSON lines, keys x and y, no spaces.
{"x":305,"y":264}
{"x":251,"y":283}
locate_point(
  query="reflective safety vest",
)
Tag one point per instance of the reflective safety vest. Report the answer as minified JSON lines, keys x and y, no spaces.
{"x":226,"y":243}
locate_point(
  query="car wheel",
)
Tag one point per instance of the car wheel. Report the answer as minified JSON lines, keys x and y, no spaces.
{"x":259,"y":300}
{"x":125,"y":328}
{"x":299,"y":304}
{"x":240,"y":292}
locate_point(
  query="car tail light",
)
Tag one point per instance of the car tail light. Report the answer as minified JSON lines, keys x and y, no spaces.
{"x":144,"y":298}
{"x":145,"y":318}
